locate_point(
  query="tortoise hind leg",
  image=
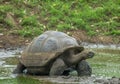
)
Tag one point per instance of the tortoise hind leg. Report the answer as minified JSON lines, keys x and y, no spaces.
{"x":58,"y":68}
{"x":19,"y":69}
{"x":84,"y":69}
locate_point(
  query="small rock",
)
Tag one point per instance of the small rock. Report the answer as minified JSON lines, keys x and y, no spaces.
{"x":104,"y":81}
{"x":1,"y":34}
{"x":114,"y":80}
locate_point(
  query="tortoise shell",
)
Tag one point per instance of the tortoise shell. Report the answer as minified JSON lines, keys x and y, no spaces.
{"x":47,"y":47}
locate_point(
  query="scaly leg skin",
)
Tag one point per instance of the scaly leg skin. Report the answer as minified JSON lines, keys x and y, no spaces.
{"x":84,"y":69}
{"x":19,"y":69}
{"x":58,"y":68}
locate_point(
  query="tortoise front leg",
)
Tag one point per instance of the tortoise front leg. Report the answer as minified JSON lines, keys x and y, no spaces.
{"x":84,"y":69}
{"x":58,"y":68}
{"x":19,"y":69}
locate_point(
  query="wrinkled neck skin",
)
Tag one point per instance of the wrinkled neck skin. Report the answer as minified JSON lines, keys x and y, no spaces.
{"x":72,"y":58}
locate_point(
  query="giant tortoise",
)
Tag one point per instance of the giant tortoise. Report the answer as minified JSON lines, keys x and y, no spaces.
{"x":54,"y":53}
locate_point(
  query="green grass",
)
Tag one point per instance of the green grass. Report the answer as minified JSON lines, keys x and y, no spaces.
{"x":106,"y":63}
{"x":93,"y":16}
{"x":20,"y":80}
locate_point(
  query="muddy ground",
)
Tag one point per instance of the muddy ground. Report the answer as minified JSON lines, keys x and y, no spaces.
{"x":81,"y":80}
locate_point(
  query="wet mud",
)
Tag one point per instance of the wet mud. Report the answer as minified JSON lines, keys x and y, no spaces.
{"x":80,"y":80}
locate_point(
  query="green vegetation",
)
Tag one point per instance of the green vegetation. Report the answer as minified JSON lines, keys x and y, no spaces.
{"x":106,"y":63}
{"x":32,"y":17}
{"x":20,"y":80}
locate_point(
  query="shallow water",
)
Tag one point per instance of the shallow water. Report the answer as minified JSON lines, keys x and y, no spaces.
{"x":105,"y":64}
{"x":108,"y":46}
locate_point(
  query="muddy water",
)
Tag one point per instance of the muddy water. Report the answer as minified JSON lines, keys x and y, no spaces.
{"x":105,"y":64}
{"x":7,"y":62}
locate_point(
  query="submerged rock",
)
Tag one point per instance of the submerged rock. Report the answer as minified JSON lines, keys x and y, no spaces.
{"x":113,"y":80}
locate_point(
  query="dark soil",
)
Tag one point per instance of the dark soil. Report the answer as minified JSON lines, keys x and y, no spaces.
{"x":8,"y":40}
{"x":84,"y":37}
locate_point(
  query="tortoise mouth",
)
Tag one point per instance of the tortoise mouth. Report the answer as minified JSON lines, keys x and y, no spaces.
{"x":91,"y":54}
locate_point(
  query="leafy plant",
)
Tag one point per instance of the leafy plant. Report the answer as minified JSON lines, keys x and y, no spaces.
{"x":31,"y":31}
{"x":89,"y":16}
{"x":30,"y":20}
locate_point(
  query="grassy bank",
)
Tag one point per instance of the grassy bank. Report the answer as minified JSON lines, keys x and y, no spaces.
{"x":32,"y":17}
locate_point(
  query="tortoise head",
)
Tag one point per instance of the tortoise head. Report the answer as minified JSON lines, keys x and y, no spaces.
{"x":86,"y":54}
{"x":83,"y":55}
{"x":90,"y":54}
{"x":73,"y":55}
